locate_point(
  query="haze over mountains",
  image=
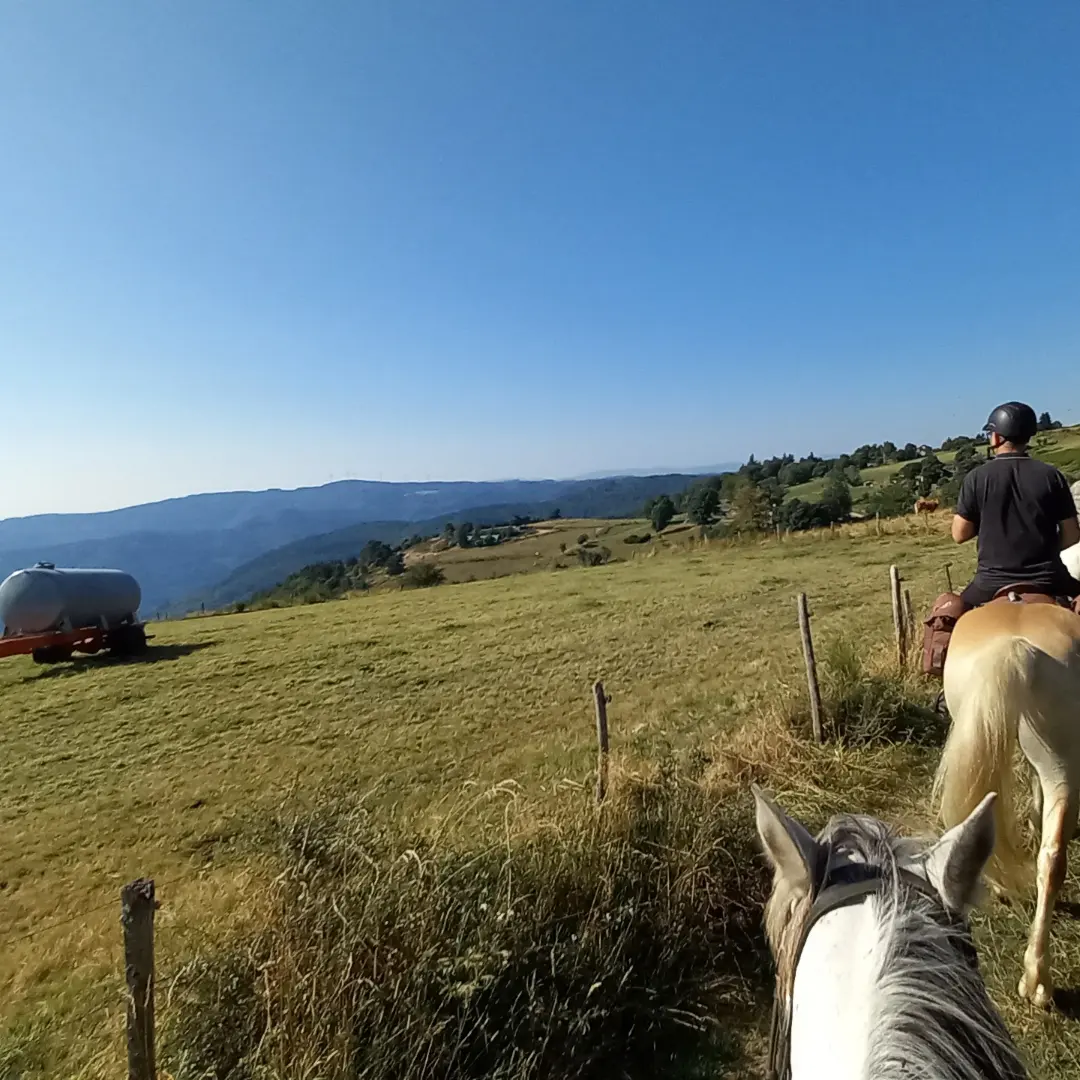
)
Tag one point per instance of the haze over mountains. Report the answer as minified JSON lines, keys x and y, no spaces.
{"x":196,"y":549}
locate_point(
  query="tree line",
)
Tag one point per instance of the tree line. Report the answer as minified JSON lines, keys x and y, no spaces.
{"x":755,"y":497}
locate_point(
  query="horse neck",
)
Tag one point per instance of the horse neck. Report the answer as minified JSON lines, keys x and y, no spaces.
{"x":883,"y":992}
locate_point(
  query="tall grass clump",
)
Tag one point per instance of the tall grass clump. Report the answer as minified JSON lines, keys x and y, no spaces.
{"x":502,"y":943}
{"x":869,"y":701}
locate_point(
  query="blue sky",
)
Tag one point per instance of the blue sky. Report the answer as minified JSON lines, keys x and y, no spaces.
{"x":252,"y":244}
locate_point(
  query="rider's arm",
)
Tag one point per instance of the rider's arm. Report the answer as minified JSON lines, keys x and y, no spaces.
{"x":962,"y":529}
{"x":1069,"y":532}
{"x":965,"y":522}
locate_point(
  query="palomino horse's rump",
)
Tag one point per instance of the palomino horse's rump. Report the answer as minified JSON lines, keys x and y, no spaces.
{"x":1012,"y":677}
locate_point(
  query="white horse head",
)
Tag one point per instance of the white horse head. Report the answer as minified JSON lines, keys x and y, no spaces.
{"x":876,"y":971}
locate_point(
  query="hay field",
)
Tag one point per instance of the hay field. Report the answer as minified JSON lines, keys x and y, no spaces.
{"x":169,"y":767}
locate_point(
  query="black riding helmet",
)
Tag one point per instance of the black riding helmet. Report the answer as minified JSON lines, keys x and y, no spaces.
{"x":1014,"y":421}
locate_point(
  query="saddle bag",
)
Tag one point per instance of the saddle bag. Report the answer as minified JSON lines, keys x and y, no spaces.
{"x":948,"y":607}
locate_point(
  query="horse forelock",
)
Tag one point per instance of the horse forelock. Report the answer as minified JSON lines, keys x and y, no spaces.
{"x":846,"y":839}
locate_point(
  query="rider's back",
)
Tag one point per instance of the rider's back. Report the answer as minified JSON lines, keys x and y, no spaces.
{"x":1017,"y":503}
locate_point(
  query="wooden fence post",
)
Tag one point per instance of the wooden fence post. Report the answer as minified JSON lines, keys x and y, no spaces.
{"x":811,"y":668}
{"x":948,"y":576}
{"x":137,"y":906}
{"x":909,"y":613}
{"x":898,"y":615}
{"x":603,"y":744}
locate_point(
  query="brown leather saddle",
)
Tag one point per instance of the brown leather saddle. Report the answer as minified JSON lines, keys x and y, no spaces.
{"x":1021,"y":593}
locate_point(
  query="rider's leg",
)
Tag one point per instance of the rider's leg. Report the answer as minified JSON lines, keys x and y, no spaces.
{"x":978,"y":592}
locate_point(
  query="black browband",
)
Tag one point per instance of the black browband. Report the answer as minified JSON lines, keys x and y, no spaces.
{"x":846,"y":885}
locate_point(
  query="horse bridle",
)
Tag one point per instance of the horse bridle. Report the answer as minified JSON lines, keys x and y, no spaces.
{"x":844,"y":886}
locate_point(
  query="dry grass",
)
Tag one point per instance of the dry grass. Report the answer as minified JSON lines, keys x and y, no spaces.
{"x":173,"y":766}
{"x":555,"y":942}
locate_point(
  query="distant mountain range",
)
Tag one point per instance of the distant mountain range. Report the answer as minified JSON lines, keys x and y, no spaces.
{"x":210,"y":548}
{"x":694,"y":470}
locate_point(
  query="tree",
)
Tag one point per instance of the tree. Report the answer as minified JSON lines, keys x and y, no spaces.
{"x":931,"y":472}
{"x":836,"y":498}
{"x":750,"y":510}
{"x":556,"y":514}
{"x":774,"y":494}
{"x":395,"y":565}
{"x":464,"y":534}
{"x":950,"y":488}
{"x":799,"y":516}
{"x":853,"y":476}
{"x":702,"y":505}
{"x":661,"y":513}
{"x":1045,"y":423}
{"x":892,"y":500}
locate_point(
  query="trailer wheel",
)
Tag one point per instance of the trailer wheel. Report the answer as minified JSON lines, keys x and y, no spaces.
{"x":51,"y":654}
{"x":127,"y":641}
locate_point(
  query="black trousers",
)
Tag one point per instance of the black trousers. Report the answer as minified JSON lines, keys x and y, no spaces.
{"x":981,"y":590}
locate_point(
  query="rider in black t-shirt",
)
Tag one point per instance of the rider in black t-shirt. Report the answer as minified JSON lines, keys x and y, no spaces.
{"x":1023,"y":513}
{"x":1021,"y":510}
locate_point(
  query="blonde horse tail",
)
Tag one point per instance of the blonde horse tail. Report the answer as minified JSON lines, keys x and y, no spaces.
{"x":993,"y":688}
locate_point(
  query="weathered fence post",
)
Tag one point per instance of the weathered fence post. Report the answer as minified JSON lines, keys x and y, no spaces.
{"x":602,"y":741}
{"x":137,"y":906}
{"x":909,"y":612}
{"x":877,"y":523}
{"x":898,"y":614}
{"x":811,"y":668}
{"x":948,"y":576}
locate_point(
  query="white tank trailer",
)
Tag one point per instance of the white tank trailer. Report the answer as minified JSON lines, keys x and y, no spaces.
{"x":43,"y":600}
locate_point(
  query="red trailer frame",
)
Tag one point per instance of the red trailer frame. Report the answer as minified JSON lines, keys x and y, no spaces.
{"x":58,"y":645}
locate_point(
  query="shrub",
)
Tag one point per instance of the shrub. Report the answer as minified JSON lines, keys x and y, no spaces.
{"x":661,"y":512}
{"x":589,"y":557}
{"x":634,"y":538}
{"x":870,"y":702}
{"x":893,"y":500}
{"x":422,"y":575}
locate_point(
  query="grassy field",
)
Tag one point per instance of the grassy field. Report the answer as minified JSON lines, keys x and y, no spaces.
{"x":170,"y":767}
{"x":552,"y":546}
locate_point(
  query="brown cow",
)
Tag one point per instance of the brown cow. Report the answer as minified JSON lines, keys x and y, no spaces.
{"x":926,"y":506}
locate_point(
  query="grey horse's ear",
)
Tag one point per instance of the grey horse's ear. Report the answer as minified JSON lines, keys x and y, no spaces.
{"x":790,"y":848}
{"x":954,"y":865}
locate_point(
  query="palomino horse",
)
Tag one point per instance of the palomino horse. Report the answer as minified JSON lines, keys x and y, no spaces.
{"x":1012,"y":675}
{"x":876,"y":973}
